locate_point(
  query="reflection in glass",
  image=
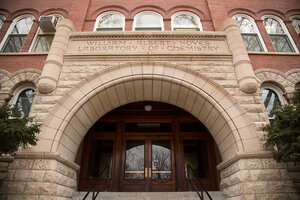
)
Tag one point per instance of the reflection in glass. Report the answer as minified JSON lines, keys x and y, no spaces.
{"x":134,"y":165}
{"x":1,"y":22}
{"x":17,"y":37}
{"x":250,"y":37}
{"x":112,"y":21}
{"x":24,"y":101}
{"x":277,"y":35}
{"x":43,"y":43}
{"x":271,"y":100}
{"x":195,"y":155}
{"x":161,"y":159}
{"x":185,"y":22}
{"x":100,"y":158}
{"x":148,"y":21}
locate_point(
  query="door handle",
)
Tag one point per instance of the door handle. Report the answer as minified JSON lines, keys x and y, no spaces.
{"x":146,"y":172}
{"x":150,"y":172}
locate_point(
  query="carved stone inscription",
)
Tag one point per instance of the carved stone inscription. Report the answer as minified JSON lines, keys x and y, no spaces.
{"x":151,"y":46}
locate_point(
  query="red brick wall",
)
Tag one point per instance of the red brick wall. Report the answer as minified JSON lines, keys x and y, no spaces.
{"x":211,"y":12}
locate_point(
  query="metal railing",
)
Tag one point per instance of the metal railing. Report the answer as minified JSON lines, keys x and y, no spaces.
{"x":201,"y":190}
{"x":95,"y":192}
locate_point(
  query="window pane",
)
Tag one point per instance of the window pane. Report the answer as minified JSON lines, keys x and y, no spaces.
{"x":245,"y":24}
{"x":110,"y":21}
{"x":24,"y":101}
{"x":252,"y":42}
{"x":281,"y":43}
{"x":273,"y":26}
{"x":100,"y":158}
{"x":296,"y":24}
{"x":185,"y":21}
{"x":134,"y":165}
{"x":43,"y":43}
{"x":271,"y":100}
{"x":14,"y":43}
{"x":161,"y":160}
{"x":148,"y":20}
{"x":23,"y":26}
{"x":1,"y":22}
{"x":195,"y":156}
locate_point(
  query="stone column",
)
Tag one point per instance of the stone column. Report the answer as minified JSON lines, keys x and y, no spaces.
{"x":256,"y":177}
{"x":243,"y":68}
{"x":40,"y":176}
{"x":51,"y":72}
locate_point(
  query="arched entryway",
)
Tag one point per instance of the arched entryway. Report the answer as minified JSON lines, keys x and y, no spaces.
{"x":147,"y":146}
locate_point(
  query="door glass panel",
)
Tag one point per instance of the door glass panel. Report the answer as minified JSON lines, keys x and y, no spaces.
{"x":161,"y":159}
{"x":100,"y":158}
{"x":134,"y":165}
{"x":195,"y":155}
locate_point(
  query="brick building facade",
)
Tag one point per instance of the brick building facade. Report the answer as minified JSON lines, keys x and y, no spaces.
{"x":110,"y":79}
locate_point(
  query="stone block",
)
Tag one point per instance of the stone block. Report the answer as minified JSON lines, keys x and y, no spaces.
{"x":22,"y":197}
{"x":233,"y":190}
{"x":281,"y":186}
{"x":21,"y":164}
{"x":41,"y":188}
{"x":29,"y":175}
{"x":266,"y":175}
{"x":255,"y":187}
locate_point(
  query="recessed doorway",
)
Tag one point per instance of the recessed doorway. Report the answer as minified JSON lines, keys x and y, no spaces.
{"x":147,"y":146}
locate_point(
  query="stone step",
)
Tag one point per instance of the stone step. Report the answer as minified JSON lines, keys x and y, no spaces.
{"x":216,"y":195}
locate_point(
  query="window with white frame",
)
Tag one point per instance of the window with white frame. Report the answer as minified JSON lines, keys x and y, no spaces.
{"x":272,"y":96}
{"x":43,"y":40}
{"x":110,"y":21}
{"x":23,"y":98}
{"x":279,"y":34}
{"x":251,"y":36}
{"x":296,"y":23}
{"x":2,"y":19}
{"x":148,"y":21}
{"x":185,"y":21}
{"x":16,"y":34}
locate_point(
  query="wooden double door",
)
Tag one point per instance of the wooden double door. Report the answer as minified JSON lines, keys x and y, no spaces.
{"x":140,"y":151}
{"x":148,"y":164}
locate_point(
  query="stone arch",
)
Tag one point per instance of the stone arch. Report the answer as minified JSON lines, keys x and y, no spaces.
{"x":293,"y":76}
{"x":71,"y":118}
{"x":279,"y":78}
{"x":26,"y":75}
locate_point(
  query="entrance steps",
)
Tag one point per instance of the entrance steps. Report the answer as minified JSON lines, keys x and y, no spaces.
{"x":216,"y":195}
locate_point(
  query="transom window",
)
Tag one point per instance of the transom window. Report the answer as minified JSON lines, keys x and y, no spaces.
{"x":148,"y":21}
{"x":185,"y":21}
{"x":43,"y":40}
{"x":17,"y":34}
{"x":110,"y":21}
{"x":278,"y":34}
{"x":250,"y":33}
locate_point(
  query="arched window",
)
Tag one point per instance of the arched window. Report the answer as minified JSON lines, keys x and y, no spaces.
{"x":186,"y":21}
{"x":251,"y":36}
{"x":43,"y":39}
{"x":296,"y":23}
{"x":272,"y":96}
{"x":23,"y":98}
{"x":2,"y":19}
{"x":16,"y":34}
{"x":279,"y":34}
{"x":148,"y":21}
{"x":24,"y":101}
{"x":110,"y":21}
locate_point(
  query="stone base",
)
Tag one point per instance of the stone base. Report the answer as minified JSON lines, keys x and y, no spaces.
{"x":256,"y":177}
{"x":38,"y":176}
